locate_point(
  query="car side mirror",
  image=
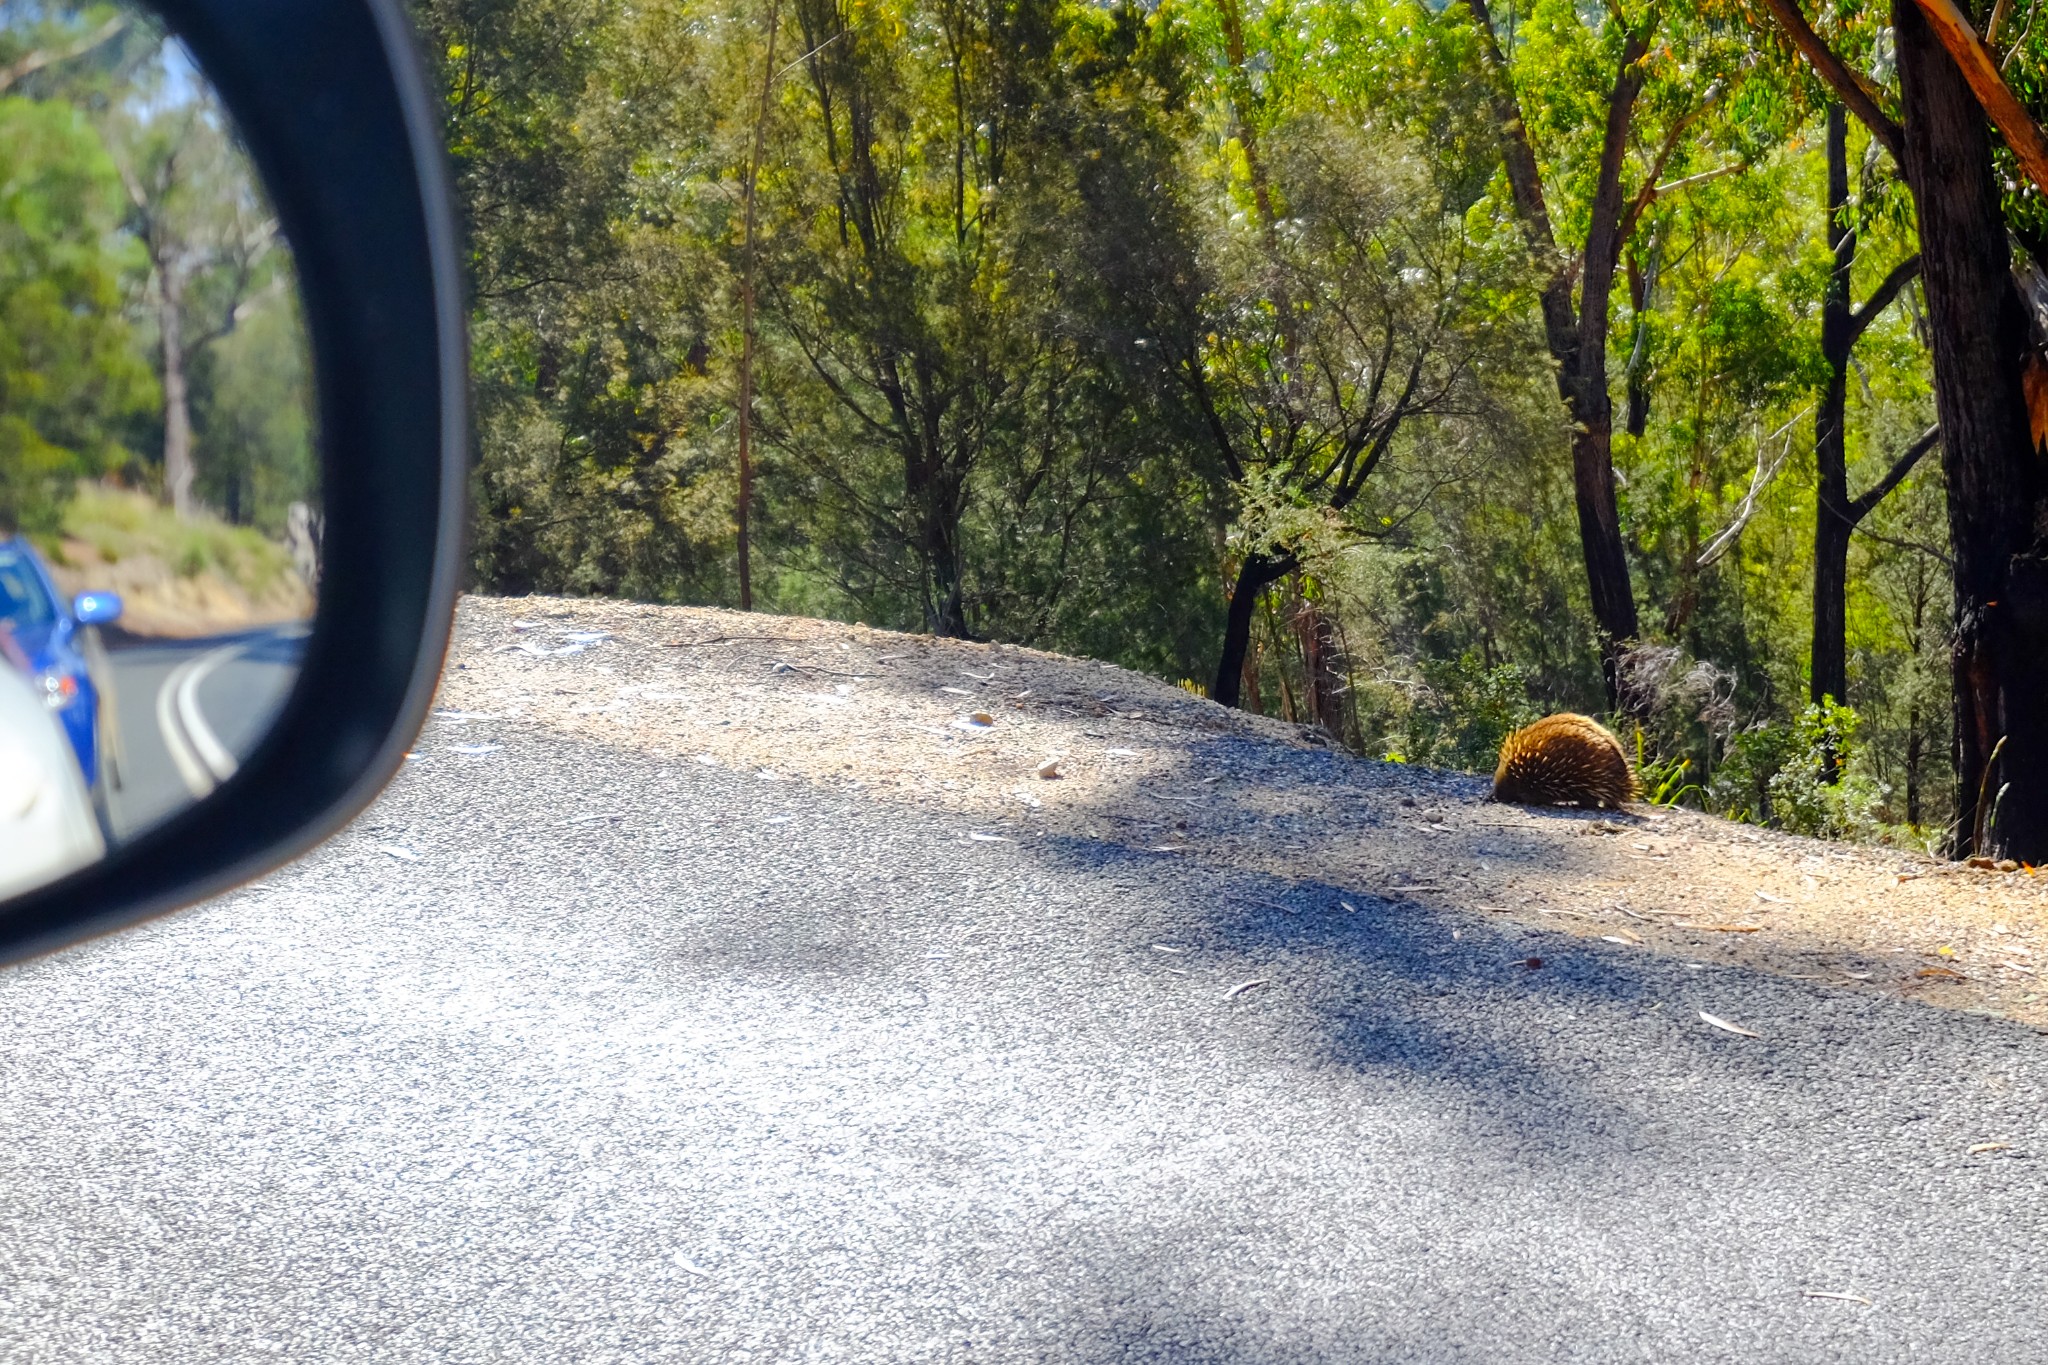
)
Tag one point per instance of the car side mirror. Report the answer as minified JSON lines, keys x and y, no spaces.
{"x":96,"y":608}
{"x":322,"y":164}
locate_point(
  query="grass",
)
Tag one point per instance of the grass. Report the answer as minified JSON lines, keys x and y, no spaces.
{"x":122,"y":524}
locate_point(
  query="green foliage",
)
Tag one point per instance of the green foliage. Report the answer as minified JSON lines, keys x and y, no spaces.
{"x":1464,"y":712}
{"x":1786,"y":776}
{"x":72,"y":383}
{"x":253,"y":410}
{"x":121,"y":524}
{"x":1666,"y":781}
{"x":1067,"y":311}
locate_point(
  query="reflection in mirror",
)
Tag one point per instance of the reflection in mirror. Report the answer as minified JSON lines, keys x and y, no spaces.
{"x":159,"y":517}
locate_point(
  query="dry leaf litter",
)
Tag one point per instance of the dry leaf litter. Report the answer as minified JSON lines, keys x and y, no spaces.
{"x":1029,"y":745}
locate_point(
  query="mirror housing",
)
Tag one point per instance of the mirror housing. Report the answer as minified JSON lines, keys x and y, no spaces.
{"x":343,"y":129}
{"x":96,"y":608}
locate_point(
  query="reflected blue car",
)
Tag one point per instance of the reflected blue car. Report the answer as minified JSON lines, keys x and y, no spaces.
{"x":45,"y":630}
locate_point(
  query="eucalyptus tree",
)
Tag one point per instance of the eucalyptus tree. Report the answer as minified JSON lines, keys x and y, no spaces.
{"x":72,"y":379}
{"x":1601,"y":114}
{"x":1971,"y":194}
{"x":897,"y":279}
{"x":1318,"y":305}
{"x":210,"y":239}
{"x":1836,"y":513}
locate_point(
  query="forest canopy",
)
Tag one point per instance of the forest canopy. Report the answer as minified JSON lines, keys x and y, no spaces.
{"x":1406,"y":369}
{"x":149,"y":332}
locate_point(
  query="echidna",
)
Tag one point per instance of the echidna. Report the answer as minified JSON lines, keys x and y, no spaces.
{"x":1564,"y":760}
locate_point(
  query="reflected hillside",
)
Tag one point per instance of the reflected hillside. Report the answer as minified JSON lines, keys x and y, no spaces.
{"x":156,"y":430}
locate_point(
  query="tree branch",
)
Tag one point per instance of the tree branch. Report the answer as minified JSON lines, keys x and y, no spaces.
{"x":1766,"y":470}
{"x":1856,"y":93}
{"x":1901,"y":467}
{"x":1647,"y":195}
{"x":1970,"y":55}
{"x":1881,"y":298}
{"x":1686,"y":182}
{"x":31,"y":62}
{"x":1930,"y":551}
{"x":1524,"y":179}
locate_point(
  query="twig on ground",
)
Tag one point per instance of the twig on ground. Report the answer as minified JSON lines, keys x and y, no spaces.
{"x":734,"y":639}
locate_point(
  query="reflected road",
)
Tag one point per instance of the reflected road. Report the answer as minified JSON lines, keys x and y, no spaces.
{"x":185,"y":712}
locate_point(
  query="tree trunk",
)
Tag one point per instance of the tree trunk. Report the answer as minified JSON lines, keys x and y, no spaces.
{"x":1995,"y":483}
{"x":1832,"y":518}
{"x":1642,"y":292}
{"x":178,"y":470}
{"x":939,"y":503}
{"x":1252,"y":577}
{"x":1577,"y":338}
{"x":743,"y":511}
{"x":1252,"y":700}
{"x":743,"y":503}
{"x":1614,"y":600}
{"x":1913,"y":765}
{"x":1325,"y":667}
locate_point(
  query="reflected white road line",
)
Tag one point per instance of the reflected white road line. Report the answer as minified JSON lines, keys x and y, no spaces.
{"x":211,"y":751}
{"x":202,"y":761}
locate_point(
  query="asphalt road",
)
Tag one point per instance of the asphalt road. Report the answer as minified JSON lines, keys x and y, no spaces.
{"x":564,"y":1054}
{"x":186,"y":712}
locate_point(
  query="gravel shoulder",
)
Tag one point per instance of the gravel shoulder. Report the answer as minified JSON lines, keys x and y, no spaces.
{"x":967,"y":729}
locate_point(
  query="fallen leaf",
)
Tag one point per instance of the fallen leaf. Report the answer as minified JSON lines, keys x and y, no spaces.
{"x":1728,"y":1027}
{"x":1348,"y":907}
{"x":1241,"y":987}
{"x":982,"y":718}
{"x":1166,"y":948}
{"x":1774,"y":900}
{"x":1980,"y":1148}
{"x":978,"y":837}
{"x":1837,"y":1294}
{"x":398,"y":851}
{"x":1721,"y":928}
{"x":1941,"y":974}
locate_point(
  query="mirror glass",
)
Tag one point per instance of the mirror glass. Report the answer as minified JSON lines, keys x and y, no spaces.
{"x":159,"y":515}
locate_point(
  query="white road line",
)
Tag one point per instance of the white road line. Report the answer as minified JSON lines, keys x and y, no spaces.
{"x":211,"y":750}
{"x":197,"y":779}
{"x":202,"y":761}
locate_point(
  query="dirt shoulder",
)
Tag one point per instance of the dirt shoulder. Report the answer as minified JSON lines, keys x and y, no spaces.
{"x":963,"y":727}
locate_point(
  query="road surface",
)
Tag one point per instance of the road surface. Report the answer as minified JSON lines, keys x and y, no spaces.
{"x":186,"y":712}
{"x":566,"y":1054}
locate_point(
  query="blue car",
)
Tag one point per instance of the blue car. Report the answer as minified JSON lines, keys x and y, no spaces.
{"x":45,"y":631}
